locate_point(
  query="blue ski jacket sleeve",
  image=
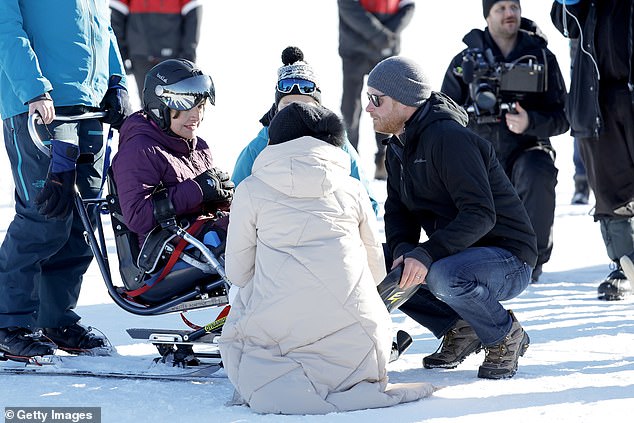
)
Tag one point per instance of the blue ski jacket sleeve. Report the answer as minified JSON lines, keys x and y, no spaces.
{"x":244,"y":163}
{"x":66,"y":48}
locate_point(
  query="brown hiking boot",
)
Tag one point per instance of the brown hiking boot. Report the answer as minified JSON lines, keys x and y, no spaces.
{"x":459,"y":342}
{"x":501,"y":359}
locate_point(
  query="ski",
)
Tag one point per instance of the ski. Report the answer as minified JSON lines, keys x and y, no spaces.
{"x":197,"y":375}
{"x":115,"y":367}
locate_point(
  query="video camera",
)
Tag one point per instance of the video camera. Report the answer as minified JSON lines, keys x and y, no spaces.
{"x":494,"y":87}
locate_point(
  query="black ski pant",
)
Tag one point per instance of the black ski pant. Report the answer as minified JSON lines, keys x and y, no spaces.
{"x":140,"y":67}
{"x":354,"y":72}
{"x":42,"y":261}
{"x":534,"y":176}
{"x":609,"y":161}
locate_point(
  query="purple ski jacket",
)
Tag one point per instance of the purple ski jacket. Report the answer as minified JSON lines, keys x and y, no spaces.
{"x":147,"y":157}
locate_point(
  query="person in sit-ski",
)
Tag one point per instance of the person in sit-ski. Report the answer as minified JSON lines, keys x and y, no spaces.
{"x":160,"y":155}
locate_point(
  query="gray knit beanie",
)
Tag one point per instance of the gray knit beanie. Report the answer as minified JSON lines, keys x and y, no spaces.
{"x":402,"y":79}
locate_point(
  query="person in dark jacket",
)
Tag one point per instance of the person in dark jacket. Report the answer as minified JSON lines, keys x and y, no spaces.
{"x":601,"y":111}
{"x":159,"y":149}
{"x":56,"y":58}
{"x":520,"y":138}
{"x":481,"y":247}
{"x":369,"y":31}
{"x":150,"y":31}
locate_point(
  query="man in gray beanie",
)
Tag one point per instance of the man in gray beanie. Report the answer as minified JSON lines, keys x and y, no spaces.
{"x":401,"y":79}
{"x":480,"y":247}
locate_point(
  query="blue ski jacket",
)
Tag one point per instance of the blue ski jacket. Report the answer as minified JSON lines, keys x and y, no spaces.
{"x":64,"y":47}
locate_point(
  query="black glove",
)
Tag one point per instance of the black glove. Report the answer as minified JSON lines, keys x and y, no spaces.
{"x":115,"y":103}
{"x":216,"y":186}
{"x":55,"y":201}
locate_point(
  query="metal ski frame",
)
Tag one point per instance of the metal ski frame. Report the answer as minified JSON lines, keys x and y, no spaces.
{"x":99,"y":249}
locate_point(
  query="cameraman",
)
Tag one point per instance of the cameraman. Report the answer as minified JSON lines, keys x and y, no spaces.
{"x":521,"y":134}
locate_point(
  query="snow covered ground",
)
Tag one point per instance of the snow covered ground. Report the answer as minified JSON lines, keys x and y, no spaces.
{"x":580,"y":364}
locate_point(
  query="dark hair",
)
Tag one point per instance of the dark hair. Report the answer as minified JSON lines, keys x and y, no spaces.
{"x":301,"y":119}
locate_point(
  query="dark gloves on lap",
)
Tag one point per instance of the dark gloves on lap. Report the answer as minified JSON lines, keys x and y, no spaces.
{"x":57,"y":196}
{"x":115,"y":103}
{"x":216,"y":186}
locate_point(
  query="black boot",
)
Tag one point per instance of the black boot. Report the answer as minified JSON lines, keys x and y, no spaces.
{"x":616,"y":285}
{"x":21,"y":342}
{"x":381,"y":172}
{"x":78,"y":339}
{"x":582,"y":190}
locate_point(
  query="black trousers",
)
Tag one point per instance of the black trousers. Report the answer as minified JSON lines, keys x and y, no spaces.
{"x":534,"y":176}
{"x":140,"y":68}
{"x":354,"y":71}
{"x":42,"y":261}
{"x":609,"y":159}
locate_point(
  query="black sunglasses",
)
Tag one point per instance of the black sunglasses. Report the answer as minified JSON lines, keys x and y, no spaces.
{"x":375,"y":99}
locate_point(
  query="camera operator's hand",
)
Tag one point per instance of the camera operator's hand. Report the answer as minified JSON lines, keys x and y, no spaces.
{"x":517,"y":122}
{"x":216,"y":186}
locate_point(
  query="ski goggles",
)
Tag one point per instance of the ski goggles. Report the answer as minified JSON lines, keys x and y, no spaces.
{"x":303,"y":86}
{"x":375,"y":99}
{"x":188,"y":93}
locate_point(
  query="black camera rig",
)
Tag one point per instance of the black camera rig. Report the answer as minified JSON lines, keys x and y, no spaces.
{"x":494,"y":87}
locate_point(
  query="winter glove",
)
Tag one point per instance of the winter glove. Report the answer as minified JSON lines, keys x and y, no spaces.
{"x":216,"y":186}
{"x":115,"y":103}
{"x":55,"y":201}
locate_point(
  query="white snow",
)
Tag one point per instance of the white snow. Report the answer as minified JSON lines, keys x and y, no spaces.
{"x":580,"y":364}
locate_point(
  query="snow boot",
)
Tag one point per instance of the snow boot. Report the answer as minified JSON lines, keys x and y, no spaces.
{"x":380,"y":173}
{"x":21,"y":342}
{"x":582,"y":190}
{"x":617,"y":286}
{"x":501,"y":359}
{"x":79,"y":340}
{"x":537,"y":272}
{"x":459,"y":342}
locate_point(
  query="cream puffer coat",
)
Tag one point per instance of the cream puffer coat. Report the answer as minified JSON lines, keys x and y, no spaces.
{"x":307,"y":332}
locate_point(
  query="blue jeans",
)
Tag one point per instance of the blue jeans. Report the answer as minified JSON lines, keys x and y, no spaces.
{"x":469,"y":285}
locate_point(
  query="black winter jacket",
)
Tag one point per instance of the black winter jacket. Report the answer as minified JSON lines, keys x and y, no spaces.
{"x":373,"y":36}
{"x":447,"y":180}
{"x":545,"y":110}
{"x":157,"y":29}
{"x":609,"y":23}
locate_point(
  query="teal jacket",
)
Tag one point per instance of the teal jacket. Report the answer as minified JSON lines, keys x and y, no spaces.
{"x":247,"y":156}
{"x":65,"y":47}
